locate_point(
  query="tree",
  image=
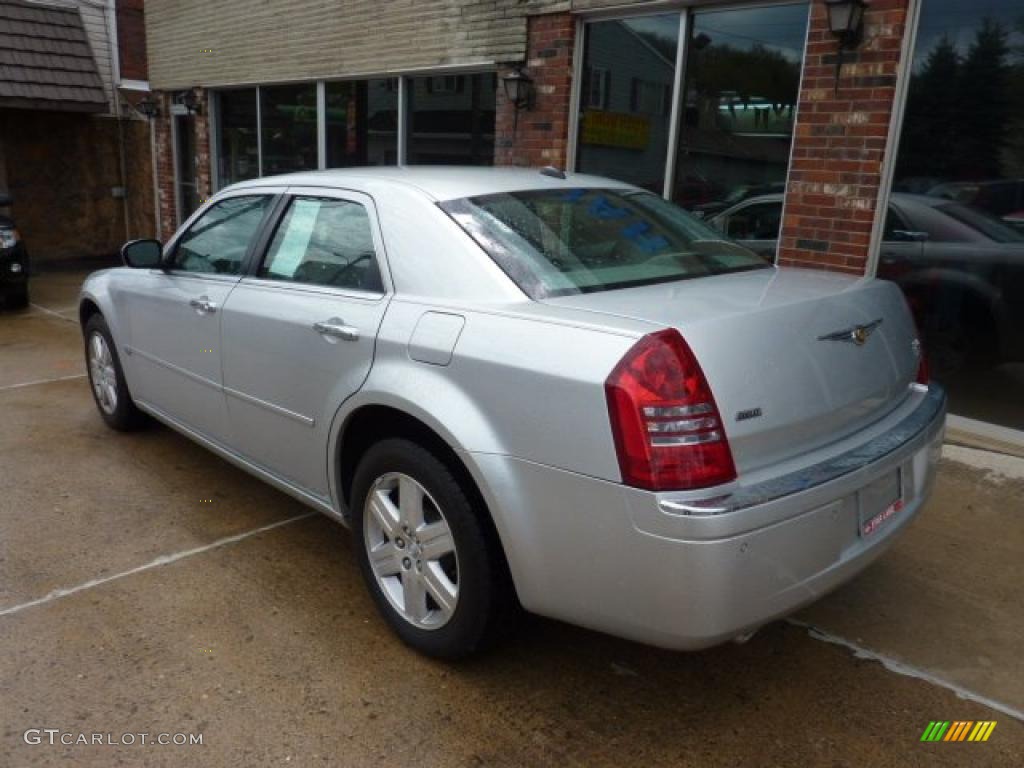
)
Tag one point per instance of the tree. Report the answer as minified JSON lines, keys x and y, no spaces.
{"x":984,"y":103}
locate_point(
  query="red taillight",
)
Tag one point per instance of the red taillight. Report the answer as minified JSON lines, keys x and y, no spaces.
{"x":667,"y":429}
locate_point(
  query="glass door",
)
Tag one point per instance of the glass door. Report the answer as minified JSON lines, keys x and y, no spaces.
{"x":187,"y":192}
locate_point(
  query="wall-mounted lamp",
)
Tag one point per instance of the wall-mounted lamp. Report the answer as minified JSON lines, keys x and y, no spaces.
{"x":148,"y":107}
{"x":190,"y":101}
{"x":519,"y":91}
{"x":846,"y":22}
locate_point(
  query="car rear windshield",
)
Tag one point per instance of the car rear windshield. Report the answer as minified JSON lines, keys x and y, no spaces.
{"x":567,"y":241}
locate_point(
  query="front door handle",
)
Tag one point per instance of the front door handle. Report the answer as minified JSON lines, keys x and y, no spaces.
{"x":336,"y":328}
{"x":203,"y":305}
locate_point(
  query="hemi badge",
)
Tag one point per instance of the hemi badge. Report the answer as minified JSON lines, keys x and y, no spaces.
{"x":750,"y":413}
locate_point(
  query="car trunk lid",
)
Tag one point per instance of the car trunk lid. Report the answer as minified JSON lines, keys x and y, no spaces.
{"x":781,"y":349}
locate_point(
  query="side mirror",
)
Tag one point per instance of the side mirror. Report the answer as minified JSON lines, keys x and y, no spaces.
{"x":909,"y":236}
{"x":6,"y":200}
{"x":142,"y":254}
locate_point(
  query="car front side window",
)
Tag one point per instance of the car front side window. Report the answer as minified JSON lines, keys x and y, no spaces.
{"x":217,"y":241}
{"x":324,"y":241}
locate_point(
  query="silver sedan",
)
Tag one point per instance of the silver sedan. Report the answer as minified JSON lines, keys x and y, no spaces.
{"x":527,"y":389}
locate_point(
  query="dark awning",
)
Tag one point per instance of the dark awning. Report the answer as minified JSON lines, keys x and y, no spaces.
{"x":46,"y":61}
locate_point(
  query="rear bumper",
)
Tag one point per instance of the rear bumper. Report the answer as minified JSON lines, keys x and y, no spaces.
{"x":689,"y":571}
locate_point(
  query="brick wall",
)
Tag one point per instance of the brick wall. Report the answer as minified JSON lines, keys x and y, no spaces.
{"x":62,"y":169}
{"x":165,"y":159}
{"x":840,"y":142}
{"x":539,"y":136}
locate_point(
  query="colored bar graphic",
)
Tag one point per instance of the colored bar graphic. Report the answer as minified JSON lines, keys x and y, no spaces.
{"x":958,"y":730}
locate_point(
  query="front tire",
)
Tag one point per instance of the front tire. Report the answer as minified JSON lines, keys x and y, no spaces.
{"x":430,"y":565}
{"x":106,"y":378}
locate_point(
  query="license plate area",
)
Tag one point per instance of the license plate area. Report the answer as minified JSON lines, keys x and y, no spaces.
{"x":879,"y":502}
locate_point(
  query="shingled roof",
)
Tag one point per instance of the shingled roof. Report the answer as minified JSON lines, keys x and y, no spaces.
{"x":46,"y":61}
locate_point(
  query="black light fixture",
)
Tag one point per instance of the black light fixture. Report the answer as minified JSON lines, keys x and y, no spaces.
{"x":518,"y":91}
{"x":190,"y":101}
{"x":846,"y":22}
{"x":148,"y":107}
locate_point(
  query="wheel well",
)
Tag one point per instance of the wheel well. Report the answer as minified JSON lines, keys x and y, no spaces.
{"x":86,"y":310}
{"x":372,"y":423}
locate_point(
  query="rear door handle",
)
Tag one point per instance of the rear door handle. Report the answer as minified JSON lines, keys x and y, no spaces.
{"x":336,"y":328}
{"x":203,"y":305}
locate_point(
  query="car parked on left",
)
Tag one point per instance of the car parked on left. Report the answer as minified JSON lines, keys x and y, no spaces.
{"x":13,"y":260}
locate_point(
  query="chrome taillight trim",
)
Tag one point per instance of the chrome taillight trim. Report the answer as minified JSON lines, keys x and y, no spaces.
{"x":696,"y":439}
{"x":686,"y":425}
{"x":677,"y":411}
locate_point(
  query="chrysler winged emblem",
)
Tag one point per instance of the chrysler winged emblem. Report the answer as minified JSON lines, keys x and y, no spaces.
{"x":858,"y":335}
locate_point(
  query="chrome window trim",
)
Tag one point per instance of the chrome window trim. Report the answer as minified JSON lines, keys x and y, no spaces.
{"x":368,"y":297}
{"x":904,"y":72}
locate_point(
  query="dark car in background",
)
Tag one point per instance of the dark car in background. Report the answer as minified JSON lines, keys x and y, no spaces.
{"x":961,"y":269}
{"x":13,"y":259}
{"x":1003,"y":198}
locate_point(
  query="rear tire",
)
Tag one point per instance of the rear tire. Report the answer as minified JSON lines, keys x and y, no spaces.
{"x":106,"y":378}
{"x":430,"y":564}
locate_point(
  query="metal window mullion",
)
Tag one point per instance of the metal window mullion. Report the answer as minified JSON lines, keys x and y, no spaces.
{"x":259,"y":133}
{"x":321,"y":124}
{"x":888,"y":170}
{"x":403,"y":118}
{"x":678,"y":94}
{"x":575,"y":96}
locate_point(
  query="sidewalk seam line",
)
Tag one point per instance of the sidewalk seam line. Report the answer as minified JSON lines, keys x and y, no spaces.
{"x":906,"y":670}
{"x":162,"y":560}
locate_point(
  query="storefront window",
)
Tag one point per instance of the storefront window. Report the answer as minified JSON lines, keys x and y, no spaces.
{"x":288,"y":128}
{"x":362,"y":123}
{"x":451,"y":119}
{"x":742,"y":83}
{"x":626,"y":98}
{"x":237,"y":149}
{"x":954,"y":235}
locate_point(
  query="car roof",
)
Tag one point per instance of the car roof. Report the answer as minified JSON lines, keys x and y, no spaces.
{"x":438,"y":182}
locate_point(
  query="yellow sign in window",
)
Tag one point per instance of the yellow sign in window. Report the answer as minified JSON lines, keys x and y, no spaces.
{"x":615,"y":129}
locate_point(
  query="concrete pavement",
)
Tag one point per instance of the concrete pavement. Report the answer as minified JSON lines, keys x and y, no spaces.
{"x":148,"y":586}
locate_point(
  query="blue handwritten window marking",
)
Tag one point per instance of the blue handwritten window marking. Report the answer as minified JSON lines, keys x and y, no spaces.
{"x":602,"y":209}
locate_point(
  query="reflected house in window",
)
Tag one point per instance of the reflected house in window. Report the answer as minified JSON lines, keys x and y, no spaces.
{"x":452,"y":119}
{"x":626,"y":95}
{"x":742,"y":83}
{"x":362,"y":122}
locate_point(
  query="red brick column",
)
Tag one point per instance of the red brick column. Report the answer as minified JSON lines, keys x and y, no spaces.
{"x":540,"y":137}
{"x":840,"y":141}
{"x":165,"y":203}
{"x":204,"y":177}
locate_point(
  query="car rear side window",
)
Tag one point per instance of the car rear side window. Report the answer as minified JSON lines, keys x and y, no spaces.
{"x":564,"y":241}
{"x":324,"y":241}
{"x":217,"y":241}
{"x":757,"y":221}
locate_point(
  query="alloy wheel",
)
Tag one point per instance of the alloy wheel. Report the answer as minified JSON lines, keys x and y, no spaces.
{"x":411,"y":550}
{"x":102,"y":373}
